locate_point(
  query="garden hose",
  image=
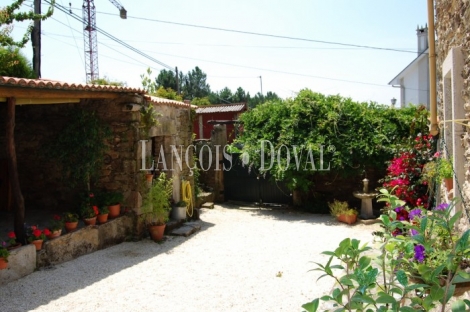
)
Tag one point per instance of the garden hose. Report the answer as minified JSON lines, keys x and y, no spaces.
{"x":187,"y":197}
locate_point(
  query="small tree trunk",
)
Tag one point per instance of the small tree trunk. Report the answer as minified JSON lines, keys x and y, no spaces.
{"x":18,"y":201}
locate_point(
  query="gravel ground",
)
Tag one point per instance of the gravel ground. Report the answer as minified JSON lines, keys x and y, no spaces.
{"x":243,"y":259}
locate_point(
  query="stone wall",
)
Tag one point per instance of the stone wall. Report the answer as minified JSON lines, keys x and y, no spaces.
{"x":453,"y":30}
{"x":43,"y":185}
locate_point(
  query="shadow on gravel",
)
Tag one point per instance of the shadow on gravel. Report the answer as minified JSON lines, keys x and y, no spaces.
{"x":51,"y":283}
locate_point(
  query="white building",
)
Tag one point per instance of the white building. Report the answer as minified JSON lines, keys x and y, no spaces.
{"x":413,"y":81}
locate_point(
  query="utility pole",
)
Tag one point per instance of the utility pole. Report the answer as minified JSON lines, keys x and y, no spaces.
{"x":261,"y":82}
{"x":36,"y":40}
{"x":177,"y":81}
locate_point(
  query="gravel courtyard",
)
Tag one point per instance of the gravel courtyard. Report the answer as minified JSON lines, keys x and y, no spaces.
{"x":243,"y":259}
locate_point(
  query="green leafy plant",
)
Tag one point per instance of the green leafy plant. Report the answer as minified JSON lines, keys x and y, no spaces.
{"x":4,"y":253}
{"x":103,"y":210}
{"x":80,"y":147}
{"x":56,"y":223}
{"x":181,"y":203}
{"x":156,"y":204}
{"x":70,"y":217}
{"x":148,"y":117}
{"x":338,"y":207}
{"x":417,"y":268}
{"x":112,"y":198}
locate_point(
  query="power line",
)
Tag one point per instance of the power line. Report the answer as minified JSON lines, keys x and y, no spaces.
{"x":64,"y":10}
{"x":265,"y":35}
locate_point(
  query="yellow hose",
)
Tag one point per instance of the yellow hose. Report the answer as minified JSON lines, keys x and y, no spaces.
{"x":187,"y":197}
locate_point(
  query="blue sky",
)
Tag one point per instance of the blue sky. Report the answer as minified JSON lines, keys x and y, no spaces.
{"x":234,"y":59}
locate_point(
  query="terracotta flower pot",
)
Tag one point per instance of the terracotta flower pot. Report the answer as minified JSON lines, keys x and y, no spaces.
{"x":90,"y":221}
{"x":156,"y":232}
{"x":102,"y":218}
{"x":149,"y":177}
{"x":71,"y":226}
{"x":349,"y":219}
{"x":54,"y":234}
{"x":449,"y":183}
{"x":38,"y":244}
{"x":114,"y":211}
{"x":3,"y":263}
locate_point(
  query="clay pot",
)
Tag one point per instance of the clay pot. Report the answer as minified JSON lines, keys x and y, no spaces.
{"x":102,"y":218}
{"x":90,"y":221}
{"x":114,"y":211}
{"x":54,"y":234}
{"x":3,"y":263}
{"x":349,"y":219}
{"x":449,"y":183}
{"x":149,"y":177}
{"x":38,"y":244}
{"x":71,"y":226}
{"x":156,"y":232}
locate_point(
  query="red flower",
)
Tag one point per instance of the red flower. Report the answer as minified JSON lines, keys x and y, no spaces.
{"x":47,"y":232}
{"x":56,"y":217}
{"x":33,"y":227}
{"x":36,"y":232}
{"x":92,"y":195}
{"x":95,"y":209}
{"x":12,"y":235}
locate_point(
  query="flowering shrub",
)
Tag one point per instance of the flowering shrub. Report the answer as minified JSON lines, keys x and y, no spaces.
{"x":419,"y":263}
{"x":404,"y":173}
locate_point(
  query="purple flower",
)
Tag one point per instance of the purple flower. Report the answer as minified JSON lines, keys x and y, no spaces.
{"x":414,"y":232}
{"x":442,"y":207}
{"x":415,"y":213}
{"x":402,"y":213}
{"x":419,"y":253}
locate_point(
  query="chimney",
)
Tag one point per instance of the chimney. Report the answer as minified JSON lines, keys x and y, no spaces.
{"x":422,"y":33}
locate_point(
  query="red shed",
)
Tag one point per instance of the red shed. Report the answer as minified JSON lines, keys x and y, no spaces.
{"x":207,"y":115}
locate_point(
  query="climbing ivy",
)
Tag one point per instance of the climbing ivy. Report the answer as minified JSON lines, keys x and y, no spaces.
{"x":350,"y":135}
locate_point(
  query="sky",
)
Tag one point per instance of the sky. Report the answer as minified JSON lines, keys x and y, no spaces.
{"x":234,"y":59}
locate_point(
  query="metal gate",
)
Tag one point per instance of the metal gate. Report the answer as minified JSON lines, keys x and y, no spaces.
{"x":240,"y":184}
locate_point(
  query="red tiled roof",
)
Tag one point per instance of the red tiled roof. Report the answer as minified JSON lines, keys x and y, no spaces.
{"x":221,"y":108}
{"x":59,"y":85}
{"x":163,"y":101}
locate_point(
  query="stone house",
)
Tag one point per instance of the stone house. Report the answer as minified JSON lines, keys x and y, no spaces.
{"x":41,"y":112}
{"x":452,"y":24}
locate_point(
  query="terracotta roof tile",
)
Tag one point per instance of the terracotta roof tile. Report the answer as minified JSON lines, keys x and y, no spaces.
{"x":59,"y":85}
{"x":163,"y":101}
{"x":221,"y":108}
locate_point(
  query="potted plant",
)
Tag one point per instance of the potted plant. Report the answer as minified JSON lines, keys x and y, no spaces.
{"x":55,"y":226}
{"x":71,"y":221}
{"x":113,"y":200}
{"x":439,"y":169}
{"x":179,"y":210}
{"x":343,"y":212}
{"x":156,"y":206}
{"x":4,"y":253}
{"x":103,"y":214}
{"x":446,"y":171}
{"x":37,"y":236}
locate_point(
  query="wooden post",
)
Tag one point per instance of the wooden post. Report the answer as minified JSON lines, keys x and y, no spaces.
{"x":18,"y":201}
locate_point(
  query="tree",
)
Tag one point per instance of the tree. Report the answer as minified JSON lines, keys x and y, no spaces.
{"x":9,"y":14}
{"x":108,"y":82}
{"x":195,"y":84}
{"x":14,"y":64}
{"x":167,"y":79}
{"x":201,"y":101}
{"x":259,"y":99}
{"x":168,"y":93}
{"x":240,"y":96}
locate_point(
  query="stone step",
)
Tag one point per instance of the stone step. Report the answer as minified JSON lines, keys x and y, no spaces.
{"x":208,"y":205}
{"x":187,"y":229}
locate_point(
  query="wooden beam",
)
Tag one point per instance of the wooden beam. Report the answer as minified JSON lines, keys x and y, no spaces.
{"x":18,"y":201}
{"x":27,"y":101}
{"x":18,"y":92}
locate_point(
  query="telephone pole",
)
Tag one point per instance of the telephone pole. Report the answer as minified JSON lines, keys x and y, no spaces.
{"x":261,"y":82}
{"x":36,"y":40}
